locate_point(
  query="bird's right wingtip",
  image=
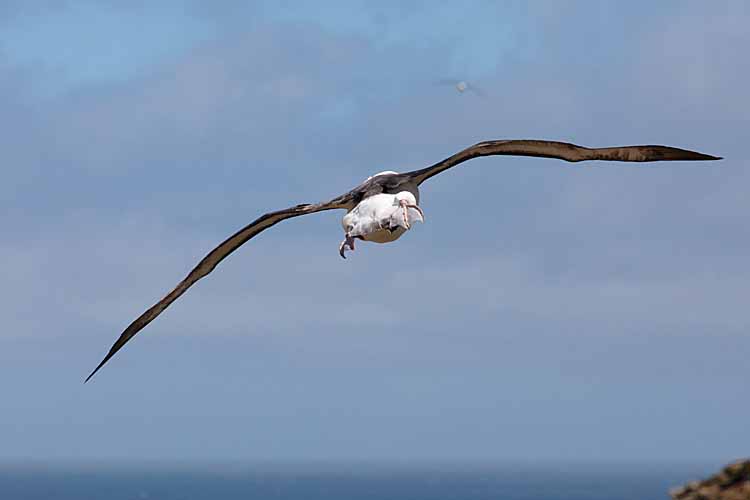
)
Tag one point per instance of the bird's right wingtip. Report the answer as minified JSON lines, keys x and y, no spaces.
{"x":98,"y":367}
{"x":90,"y":375}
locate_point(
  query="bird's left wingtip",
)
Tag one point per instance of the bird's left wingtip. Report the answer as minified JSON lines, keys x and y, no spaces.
{"x":669,"y":153}
{"x":694,"y":155}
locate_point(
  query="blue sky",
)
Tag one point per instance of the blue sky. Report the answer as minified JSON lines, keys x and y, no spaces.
{"x":544,"y":311}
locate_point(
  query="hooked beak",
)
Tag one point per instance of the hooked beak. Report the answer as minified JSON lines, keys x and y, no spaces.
{"x":406,"y":214}
{"x":348,"y":242}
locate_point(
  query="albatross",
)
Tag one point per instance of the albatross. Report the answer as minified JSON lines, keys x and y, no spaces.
{"x":386,"y":205}
{"x":462,"y":86}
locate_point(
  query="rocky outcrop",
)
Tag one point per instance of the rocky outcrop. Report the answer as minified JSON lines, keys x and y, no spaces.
{"x":732,"y":483}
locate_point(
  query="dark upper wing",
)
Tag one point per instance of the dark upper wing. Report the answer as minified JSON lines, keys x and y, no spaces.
{"x":561,"y":150}
{"x":210,"y":261}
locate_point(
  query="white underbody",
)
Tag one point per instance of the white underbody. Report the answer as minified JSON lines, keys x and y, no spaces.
{"x":380,"y":218}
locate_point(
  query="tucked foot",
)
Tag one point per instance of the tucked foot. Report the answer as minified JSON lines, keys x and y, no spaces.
{"x":348,"y":242}
{"x":405,"y":206}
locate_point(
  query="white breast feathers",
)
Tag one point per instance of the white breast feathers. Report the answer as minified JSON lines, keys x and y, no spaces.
{"x":382,"y":218}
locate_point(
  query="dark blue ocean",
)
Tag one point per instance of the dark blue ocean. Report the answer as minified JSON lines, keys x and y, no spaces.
{"x":345,"y":481}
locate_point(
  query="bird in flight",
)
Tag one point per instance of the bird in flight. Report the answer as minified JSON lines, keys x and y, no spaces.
{"x":383,"y":207}
{"x":463,"y":86}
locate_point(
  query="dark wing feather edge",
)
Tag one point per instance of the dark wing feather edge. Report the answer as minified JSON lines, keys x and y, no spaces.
{"x":562,"y":151}
{"x":208,"y":263}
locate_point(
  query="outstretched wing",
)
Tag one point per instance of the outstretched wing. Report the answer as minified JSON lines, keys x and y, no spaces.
{"x":561,"y":150}
{"x":210,"y":261}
